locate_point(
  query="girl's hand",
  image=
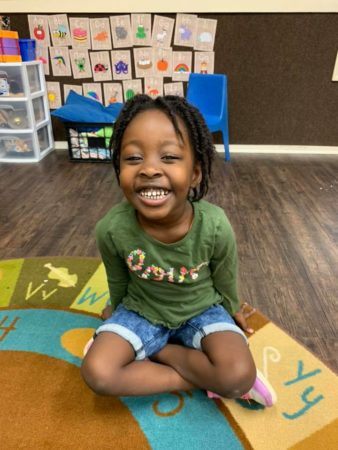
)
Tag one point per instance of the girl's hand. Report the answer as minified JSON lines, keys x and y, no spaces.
{"x":241,"y":316}
{"x":107,"y":312}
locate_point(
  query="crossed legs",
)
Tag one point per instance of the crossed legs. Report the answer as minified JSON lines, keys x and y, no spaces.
{"x":225,"y":366}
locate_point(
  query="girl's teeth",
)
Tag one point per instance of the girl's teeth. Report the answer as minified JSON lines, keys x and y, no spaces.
{"x":154,"y":194}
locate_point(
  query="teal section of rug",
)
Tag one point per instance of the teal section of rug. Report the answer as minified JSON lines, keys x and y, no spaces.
{"x":199,"y":425}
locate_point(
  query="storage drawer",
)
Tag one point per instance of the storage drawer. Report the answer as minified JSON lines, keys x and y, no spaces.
{"x":16,"y":147}
{"x":14,"y":116}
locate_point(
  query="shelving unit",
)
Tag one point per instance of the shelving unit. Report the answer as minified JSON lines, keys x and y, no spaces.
{"x":25,"y":123}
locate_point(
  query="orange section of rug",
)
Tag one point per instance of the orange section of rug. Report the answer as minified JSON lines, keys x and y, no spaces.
{"x":47,"y":405}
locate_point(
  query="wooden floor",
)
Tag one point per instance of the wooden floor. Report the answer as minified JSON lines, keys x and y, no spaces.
{"x":284,"y":210}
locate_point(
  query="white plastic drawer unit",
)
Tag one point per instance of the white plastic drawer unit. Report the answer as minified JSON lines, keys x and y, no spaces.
{"x":25,"y":125}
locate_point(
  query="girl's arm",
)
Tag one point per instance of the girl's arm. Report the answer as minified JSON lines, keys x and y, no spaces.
{"x":116,"y":268}
{"x":224,"y":267}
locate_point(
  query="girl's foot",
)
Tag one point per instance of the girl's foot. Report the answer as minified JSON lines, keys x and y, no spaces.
{"x":261,"y":392}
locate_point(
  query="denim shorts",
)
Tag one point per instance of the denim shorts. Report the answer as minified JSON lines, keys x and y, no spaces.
{"x":148,"y":339}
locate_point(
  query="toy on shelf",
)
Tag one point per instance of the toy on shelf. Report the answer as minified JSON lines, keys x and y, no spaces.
{"x":13,"y":145}
{"x":13,"y":118}
{"x":9,"y":46}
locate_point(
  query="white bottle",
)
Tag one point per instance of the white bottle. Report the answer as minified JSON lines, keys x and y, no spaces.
{"x":4,"y":85}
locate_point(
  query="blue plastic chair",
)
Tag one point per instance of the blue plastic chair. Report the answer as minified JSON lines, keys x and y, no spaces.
{"x":209,"y":93}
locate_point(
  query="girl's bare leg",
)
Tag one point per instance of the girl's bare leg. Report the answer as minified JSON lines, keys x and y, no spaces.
{"x":225,"y":365}
{"x":109,"y":368}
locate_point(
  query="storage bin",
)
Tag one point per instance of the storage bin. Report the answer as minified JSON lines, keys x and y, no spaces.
{"x":89,"y":142}
{"x":9,"y":46}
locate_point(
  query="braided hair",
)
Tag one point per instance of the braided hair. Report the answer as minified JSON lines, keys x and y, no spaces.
{"x":173,"y":106}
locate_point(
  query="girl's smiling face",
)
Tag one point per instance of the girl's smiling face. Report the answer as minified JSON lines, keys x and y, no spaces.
{"x":157,"y":168}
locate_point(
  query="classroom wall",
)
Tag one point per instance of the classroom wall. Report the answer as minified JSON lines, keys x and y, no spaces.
{"x":279,"y":69}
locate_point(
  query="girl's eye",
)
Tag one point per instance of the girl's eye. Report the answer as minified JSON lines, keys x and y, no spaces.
{"x":133,"y":158}
{"x":170,"y":157}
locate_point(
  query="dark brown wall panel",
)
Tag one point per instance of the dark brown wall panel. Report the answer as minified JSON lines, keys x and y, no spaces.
{"x":279,"y":69}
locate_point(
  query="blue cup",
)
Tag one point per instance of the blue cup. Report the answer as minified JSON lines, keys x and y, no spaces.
{"x":27,"y":49}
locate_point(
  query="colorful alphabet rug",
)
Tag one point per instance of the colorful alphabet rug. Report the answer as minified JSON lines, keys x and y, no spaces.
{"x":49,"y":309}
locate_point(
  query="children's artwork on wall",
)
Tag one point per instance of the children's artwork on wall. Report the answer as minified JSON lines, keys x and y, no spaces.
{"x":205,"y":36}
{"x":53,"y":94}
{"x":121,"y":64}
{"x":112,"y":93}
{"x":144,"y":63}
{"x":80,"y":63}
{"x":39,"y":29}
{"x":153,"y":86}
{"x":174,"y":89}
{"x":162,"y":31}
{"x":131,"y":88}
{"x":181,"y":65}
{"x":100,"y":32}
{"x":59,"y":30}
{"x":141,"y":29}
{"x":163,"y":62}
{"x":185,"y":30}
{"x":93,"y":90}
{"x":5,"y":23}
{"x":121,"y":31}
{"x":80,"y":32}
{"x":42,"y":55}
{"x":71,"y":87}
{"x":335,"y":70}
{"x":59,"y":58}
{"x":101,"y":66}
{"x":204,"y":62}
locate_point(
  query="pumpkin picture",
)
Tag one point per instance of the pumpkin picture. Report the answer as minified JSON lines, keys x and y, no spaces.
{"x":162,"y":65}
{"x":39,"y":32}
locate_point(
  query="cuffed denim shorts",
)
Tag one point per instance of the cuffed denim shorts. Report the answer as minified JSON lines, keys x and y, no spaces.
{"x":148,"y":339}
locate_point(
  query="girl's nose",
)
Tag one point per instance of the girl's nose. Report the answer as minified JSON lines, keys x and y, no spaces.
{"x":150,"y":170}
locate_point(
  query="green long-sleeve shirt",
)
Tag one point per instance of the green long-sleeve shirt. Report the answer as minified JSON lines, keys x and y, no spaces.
{"x":170,"y":283}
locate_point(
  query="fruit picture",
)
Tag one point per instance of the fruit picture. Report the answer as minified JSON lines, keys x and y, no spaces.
{"x":39,"y":32}
{"x":162,"y":65}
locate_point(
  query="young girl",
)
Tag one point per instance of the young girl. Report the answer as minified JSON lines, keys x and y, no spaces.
{"x":171,"y":265}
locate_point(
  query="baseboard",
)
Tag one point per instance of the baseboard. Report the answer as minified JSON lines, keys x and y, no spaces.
{"x":253,"y":149}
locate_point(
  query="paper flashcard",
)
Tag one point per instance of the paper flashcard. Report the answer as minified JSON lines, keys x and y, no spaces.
{"x":185,"y":30}
{"x":121,"y":31}
{"x":121,"y":64}
{"x":59,"y":58}
{"x":153,"y":86}
{"x":39,"y":30}
{"x":80,"y":32}
{"x":181,"y":65}
{"x":71,"y":87}
{"x":101,"y":66}
{"x":205,"y":36}
{"x":204,"y":62}
{"x":131,"y":88}
{"x":80,"y":63}
{"x":59,"y":30}
{"x":53,"y":94}
{"x":163,"y":62}
{"x":174,"y":89}
{"x":141,"y":29}
{"x":162,"y":31}
{"x":100,"y":31}
{"x":93,"y":91}
{"x":112,"y":93}
{"x":335,"y":70}
{"x":143,"y":60}
{"x":42,"y":55}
